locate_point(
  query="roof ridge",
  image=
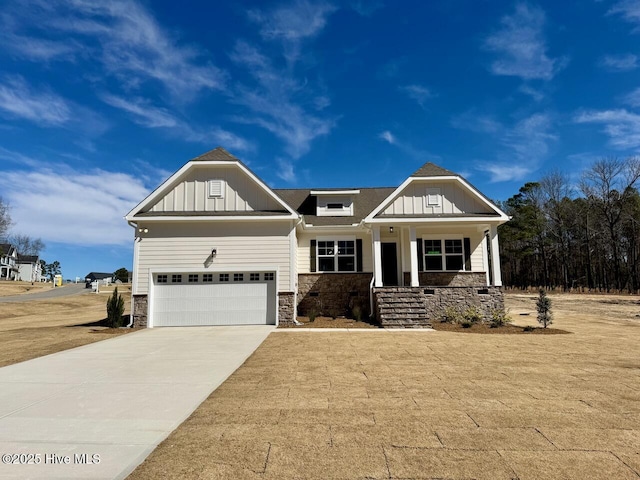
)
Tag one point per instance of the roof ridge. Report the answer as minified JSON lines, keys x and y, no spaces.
{"x":430,"y":169}
{"x":218,"y":153}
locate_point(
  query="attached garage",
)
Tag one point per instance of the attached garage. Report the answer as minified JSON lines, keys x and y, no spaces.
{"x":218,"y":298}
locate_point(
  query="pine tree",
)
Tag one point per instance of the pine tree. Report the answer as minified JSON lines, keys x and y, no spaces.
{"x":115,"y":310}
{"x":543,"y":305}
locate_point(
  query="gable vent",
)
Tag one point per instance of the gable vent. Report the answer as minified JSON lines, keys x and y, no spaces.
{"x":216,"y":188}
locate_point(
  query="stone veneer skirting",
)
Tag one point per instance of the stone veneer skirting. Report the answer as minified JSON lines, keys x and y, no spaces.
{"x":333,"y":294}
{"x":286,"y":308}
{"x":448,"y":279}
{"x":435,"y":300}
{"x":139,"y":309}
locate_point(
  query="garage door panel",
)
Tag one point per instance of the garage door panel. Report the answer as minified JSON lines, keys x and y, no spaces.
{"x":233,"y":303}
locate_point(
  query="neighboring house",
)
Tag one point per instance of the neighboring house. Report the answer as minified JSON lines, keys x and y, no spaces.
{"x":8,"y":262}
{"x":104,"y":278}
{"x":29,"y":268}
{"x":214,"y":245}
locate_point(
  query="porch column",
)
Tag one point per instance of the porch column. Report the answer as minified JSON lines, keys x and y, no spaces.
{"x":377,"y":256}
{"x":485,"y":257}
{"x":495,"y":257}
{"x":413,"y":246}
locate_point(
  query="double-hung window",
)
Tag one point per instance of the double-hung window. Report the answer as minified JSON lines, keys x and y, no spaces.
{"x":449,"y":258}
{"x":336,"y":256}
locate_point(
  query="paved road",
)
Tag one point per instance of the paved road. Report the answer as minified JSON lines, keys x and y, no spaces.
{"x":71,"y":289}
{"x":118,"y":398}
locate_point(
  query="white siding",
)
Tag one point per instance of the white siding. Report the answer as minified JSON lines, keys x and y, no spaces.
{"x":304,"y":248}
{"x":241,"y":193}
{"x":187,"y":246}
{"x":455,"y":200}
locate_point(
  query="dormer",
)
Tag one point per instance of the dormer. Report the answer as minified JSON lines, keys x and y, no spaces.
{"x":334,"y":203}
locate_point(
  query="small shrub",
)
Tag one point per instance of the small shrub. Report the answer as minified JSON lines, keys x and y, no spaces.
{"x":451,"y":315}
{"x":312,"y":315}
{"x":356,"y":312}
{"x":543,"y":305}
{"x":115,"y":310}
{"x":466,"y":324}
{"x":472,"y":315}
{"x":500,"y":317}
{"x":528,"y":328}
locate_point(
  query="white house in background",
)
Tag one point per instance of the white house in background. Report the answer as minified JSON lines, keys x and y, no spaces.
{"x":214,"y":245}
{"x":29,"y":268}
{"x":8,"y":259}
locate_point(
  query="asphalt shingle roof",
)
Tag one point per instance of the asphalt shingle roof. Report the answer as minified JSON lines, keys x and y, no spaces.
{"x":217,"y":153}
{"x":432,"y":170}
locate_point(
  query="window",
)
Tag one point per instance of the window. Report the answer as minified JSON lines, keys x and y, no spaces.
{"x":449,"y":259}
{"x":336,"y":256}
{"x":162,"y":279}
{"x":193,"y":278}
{"x":207,"y":277}
{"x":268,"y":276}
{"x":216,"y":188}
{"x":176,"y":278}
{"x":223,"y":277}
{"x":254,"y":277}
{"x":335,"y":206}
{"x":238,"y":277}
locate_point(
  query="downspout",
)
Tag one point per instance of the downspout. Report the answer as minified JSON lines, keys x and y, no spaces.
{"x":133,"y":280}
{"x":295,"y":309}
{"x":373,"y":276}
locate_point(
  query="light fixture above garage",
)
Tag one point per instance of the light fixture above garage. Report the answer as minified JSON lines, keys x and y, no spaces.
{"x":390,"y":229}
{"x":214,"y":252}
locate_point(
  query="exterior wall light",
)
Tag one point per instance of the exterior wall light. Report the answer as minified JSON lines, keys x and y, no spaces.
{"x":390,"y":229}
{"x":214,"y":252}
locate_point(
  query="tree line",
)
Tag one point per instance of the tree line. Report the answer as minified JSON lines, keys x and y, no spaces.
{"x":582,"y":234}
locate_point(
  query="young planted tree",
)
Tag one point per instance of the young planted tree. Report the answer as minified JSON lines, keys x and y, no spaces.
{"x":543,"y":305}
{"x":115,"y":310}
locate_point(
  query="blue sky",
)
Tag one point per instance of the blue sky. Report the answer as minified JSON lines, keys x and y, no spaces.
{"x":101,"y":101}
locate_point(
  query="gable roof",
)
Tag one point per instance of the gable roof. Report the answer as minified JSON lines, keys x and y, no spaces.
{"x":27,"y":258}
{"x":98,"y":275}
{"x":305,"y":204}
{"x":217,"y":154}
{"x":6,"y":248}
{"x":432,"y":170}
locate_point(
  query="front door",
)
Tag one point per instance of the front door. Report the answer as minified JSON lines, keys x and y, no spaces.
{"x":389,"y":264}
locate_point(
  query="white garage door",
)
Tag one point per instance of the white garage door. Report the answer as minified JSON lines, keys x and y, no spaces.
{"x":228,"y":298}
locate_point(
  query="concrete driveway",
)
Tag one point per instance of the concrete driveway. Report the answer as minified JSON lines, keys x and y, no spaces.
{"x":71,"y":289}
{"x":104,"y":407}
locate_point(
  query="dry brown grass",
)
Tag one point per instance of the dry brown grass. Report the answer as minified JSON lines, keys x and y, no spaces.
{"x":411,"y":405}
{"x":35,"y":328}
{"x":8,"y":289}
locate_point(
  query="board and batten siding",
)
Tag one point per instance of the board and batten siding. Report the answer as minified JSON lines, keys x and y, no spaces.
{"x":187,"y":246}
{"x":304,"y":248}
{"x":454,"y":200}
{"x":241,"y":193}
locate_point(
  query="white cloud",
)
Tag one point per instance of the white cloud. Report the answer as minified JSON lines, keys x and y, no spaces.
{"x":286,"y":171}
{"x":521,"y":147}
{"x":39,"y":106}
{"x":521,"y":47}
{"x":628,"y":9}
{"x":621,"y":126}
{"x":475,"y":122}
{"x":619,"y":63}
{"x":72,"y":207}
{"x":418,"y":93}
{"x":633,"y":98}
{"x":534,"y":93}
{"x":505,"y":172}
{"x":143,"y":113}
{"x":293,"y":23}
{"x":366,"y":8}
{"x":277,"y":102}
{"x":125,"y":37}
{"x":387,"y":136}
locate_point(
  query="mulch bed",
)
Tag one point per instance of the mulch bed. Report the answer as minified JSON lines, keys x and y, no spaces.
{"x":483,"y":328}
{"x":328,"y":322}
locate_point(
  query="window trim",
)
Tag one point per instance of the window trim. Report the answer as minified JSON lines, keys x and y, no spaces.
{"x":336,"y":256}
{"x":443,"y":255}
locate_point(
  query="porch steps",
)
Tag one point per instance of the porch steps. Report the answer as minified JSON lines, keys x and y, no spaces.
{"x":401,"y":307}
